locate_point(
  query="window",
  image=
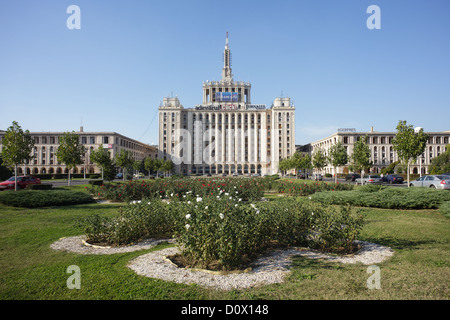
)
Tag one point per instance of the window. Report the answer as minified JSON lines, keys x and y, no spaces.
{"x":105,"y":139}
{"x":83,"y":140}
{"x":91,"y":140}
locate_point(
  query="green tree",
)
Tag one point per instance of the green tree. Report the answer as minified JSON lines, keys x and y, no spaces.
{"x":149,"y":165}
{"x":168,"y":166}
{"x":337,"y":156}
{"x":409,"y":144}
{"x":102,"y":158}
{"x":319,"y":159}
{"x":441,"y":163}
{"x":70,"y":151}
{"x":361,"y":156}
{"x":300,"y":161}
{"x":124,"y":160}
{"x":285,"y":165}
{"x":306,"y":163}
{"x":17,"y":147}
{"x":158,"y":165}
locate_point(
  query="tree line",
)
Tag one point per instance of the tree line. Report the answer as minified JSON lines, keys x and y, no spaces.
{"x":18,"y":146}
{"x":408,"y":143}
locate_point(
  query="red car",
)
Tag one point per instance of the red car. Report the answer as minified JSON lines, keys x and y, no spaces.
{"x":22,"y":182}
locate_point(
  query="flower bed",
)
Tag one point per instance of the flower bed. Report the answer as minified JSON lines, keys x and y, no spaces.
{"x":223,"y":232}
{"x":247,"y":189}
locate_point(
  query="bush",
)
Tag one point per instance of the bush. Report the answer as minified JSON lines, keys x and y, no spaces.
{"x":444,"y":208}
{"x":225,"y":234}
{"x":180,"y":189}
{"x":95,"y":182}
{"x":136,"y":221}
{"x":386,"y":197}
{"x":301,"y":188}
{"x":43,"y":198}
{"x":42,"y":186}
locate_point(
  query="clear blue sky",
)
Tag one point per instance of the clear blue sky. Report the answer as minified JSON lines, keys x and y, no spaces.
{"x":113,"y":72}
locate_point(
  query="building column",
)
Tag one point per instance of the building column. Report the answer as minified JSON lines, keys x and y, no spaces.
{"x":236,"y":140}
{"x":223,"y":155}
{"x":250,"y":141}
{"x":263,"y":140}
{"x":256,"y":133}
{"x":243,"y":134}
{"x":216,"y":138}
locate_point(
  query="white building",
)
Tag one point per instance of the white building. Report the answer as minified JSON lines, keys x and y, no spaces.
{"x":382,"y":149}
{"x":226,"y":133}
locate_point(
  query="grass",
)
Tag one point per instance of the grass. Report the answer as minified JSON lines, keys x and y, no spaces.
{"x":31,"y":270}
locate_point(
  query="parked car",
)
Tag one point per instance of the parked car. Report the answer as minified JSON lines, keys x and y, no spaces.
{"x":352,"y":176}
{"x":235,"y":174}
{"x":369,"y":179}
{"x":316,"y":176}
{"x":22,"y":182}
{"x":438,"y":181}
{"x":119,"y":176}
{"x":256,"y":175}
{"x":393,"y":178}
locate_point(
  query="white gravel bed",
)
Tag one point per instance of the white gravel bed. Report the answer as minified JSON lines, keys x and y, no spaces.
{"x":78,"y":244}
{"x":269,"y":269}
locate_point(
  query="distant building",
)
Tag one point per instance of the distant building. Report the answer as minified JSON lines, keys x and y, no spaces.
{"x":46,"y":144}
{"x":382,"y":149}
{"x":226,"y":133}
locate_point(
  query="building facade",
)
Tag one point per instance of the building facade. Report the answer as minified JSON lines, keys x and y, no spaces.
{"x":382,"y":149}
{"x":46,"y":144}
{"x":226,"y":133}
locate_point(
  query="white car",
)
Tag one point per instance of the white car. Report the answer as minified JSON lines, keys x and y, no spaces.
{"x":437,"y":181}
{"x":369,"y":179}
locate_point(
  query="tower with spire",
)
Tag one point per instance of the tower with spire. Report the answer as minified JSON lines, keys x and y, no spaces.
{"x":235,"y":93}
{"x":226,"y":71}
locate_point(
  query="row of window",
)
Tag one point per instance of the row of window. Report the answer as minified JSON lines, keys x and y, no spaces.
{"x":280,"y":115}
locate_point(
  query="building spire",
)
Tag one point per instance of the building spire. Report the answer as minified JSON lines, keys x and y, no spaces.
{"x":226,"y":71}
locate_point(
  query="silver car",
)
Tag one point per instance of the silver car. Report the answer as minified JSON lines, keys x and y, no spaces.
{"x":437,"y":181}
{"x":369,"y":179}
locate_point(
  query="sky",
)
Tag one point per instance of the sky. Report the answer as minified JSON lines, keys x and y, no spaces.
{"x":112,"y":73}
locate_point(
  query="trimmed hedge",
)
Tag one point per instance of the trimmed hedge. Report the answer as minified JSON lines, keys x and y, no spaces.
{"x":386,"y":197}
{"x":444,"y":208}
{"x":43,"y":198}
{"x":41,"y":186}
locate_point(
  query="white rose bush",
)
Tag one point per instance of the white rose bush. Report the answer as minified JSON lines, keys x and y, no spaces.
{"x":227,"y":226}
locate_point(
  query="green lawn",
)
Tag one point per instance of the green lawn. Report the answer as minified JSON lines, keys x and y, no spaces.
{"x":30,"y":269}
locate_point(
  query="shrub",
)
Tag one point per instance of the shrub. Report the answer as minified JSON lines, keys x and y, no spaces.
{"x":136,"y":221}
{"x":301,"y":188}
{"x":386,"y":197}
{"x":41,"y":186}
{"x":223,"y":233}
{"x":444,"y":208}
{"x":244,"y":188}
{"x":43,"y":198}
{"x":95,"y":182}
